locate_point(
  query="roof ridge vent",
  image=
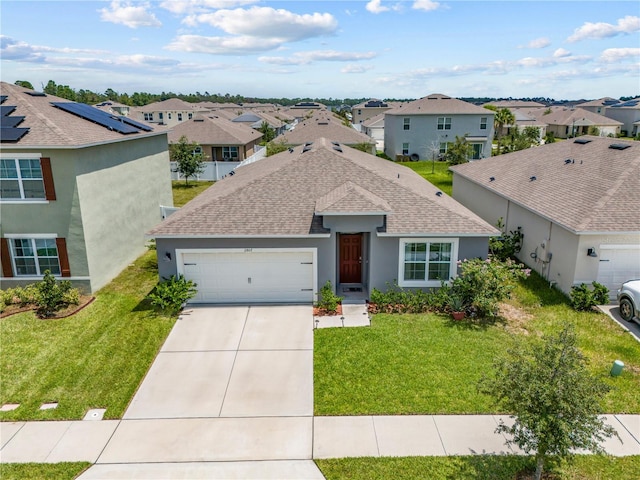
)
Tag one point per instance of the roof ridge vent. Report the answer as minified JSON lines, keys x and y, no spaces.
{"x":582,"y":141}
{"x":619,"y":146}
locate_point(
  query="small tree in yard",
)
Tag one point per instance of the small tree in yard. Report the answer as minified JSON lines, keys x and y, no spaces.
{"x":554,"y":399}
{"x":459,"y":151}
{"x":188,"y":156}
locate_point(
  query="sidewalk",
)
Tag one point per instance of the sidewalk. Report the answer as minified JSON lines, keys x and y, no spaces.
{"x":190,"y":440}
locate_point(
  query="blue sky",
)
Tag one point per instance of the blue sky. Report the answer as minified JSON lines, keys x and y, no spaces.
{"x":340,"y":49}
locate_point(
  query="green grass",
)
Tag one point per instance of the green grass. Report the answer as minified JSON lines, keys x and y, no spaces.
{"x":93,"y":359}
{"x":480,"y":467}
{"x":429,"y":364}
{"x":38,"y":471}
{"x":441,"y":177}
{"x":183,"y":193}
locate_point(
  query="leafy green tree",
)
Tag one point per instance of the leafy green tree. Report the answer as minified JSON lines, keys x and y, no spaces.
{"x":276,"y":147}
{"x":268,"y":133}
{"x":188,"y":156}
{"x":554,"y":399}
{"x":459,"y":151}
{"x":549,"y":137}
{"x":24,"y":84}
{"x":593,"y":130}
{"x":521,"y":139}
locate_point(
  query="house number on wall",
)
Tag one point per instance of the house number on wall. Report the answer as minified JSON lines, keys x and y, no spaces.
{"x":248,"y":249}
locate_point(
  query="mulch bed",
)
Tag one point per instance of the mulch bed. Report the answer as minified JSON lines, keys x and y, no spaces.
{"x":63,"y":313}
{"x":321,"y":312}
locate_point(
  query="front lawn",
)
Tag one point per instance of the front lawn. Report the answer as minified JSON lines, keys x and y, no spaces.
{"x":430,"y":364}
{"x":93,"y":359}
{"x":477,"y":467}
{"x":38,"y":471}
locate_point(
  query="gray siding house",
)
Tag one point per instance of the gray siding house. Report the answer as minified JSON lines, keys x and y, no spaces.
{"x":76,"y":196}
{"x":423,"y":129}
{"x":280,"y":228}
{"x":576,"y":202}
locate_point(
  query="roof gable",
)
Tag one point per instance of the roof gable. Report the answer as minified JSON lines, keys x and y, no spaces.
{"x":351,"y":198}
{"x":437,"y":103}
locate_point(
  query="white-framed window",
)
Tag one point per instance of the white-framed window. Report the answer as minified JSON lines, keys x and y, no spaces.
{"x":190,"y":116}
{"x":230,"y":153}
{"x":21,"y":178}
{"x":148,"y":117}
{"x":477,"y":150}
{"x":443,"y":147}
{"x":407,"y":123}
{"x":483,"y":123}
{"x":405,"y":149}
{"x":32,"y":256}
{"x":444,"y":123}
{"x":160,"y":115}
{"x":179,"y":117}
{"x":426,"y":262}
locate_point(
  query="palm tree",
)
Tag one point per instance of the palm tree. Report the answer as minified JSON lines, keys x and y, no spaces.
{"x":503,"y":117}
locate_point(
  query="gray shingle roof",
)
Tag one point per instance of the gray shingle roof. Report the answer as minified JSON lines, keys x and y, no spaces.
{"x":437,"y":103}
{"x":212,"y":130}
{"x":278,"y":196}
{"x":52,"y":127}
{"x":597,"y":191}
{"x":324,"y":125}
{"x":571,"y":116}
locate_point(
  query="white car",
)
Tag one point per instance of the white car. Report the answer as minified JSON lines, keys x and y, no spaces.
{"x":629,"y":299}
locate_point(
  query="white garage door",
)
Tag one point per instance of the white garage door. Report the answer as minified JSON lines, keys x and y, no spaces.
{"x":618,"y":263}
{"x":250,"y":276}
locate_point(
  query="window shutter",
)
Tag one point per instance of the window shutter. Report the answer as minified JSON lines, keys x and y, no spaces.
{"x":47,"y":178}
{"x":7,"y":270}
{"x":63,"y":258}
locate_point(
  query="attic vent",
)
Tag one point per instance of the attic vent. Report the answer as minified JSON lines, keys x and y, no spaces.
{"x":198,"y":119}
{"x":568,"y":161}
{"x":308,"y":144}
{"x":438,"y":194}
{"x":619,"y":146}
{"x":531,"y":179}
{"x":336,"y":144}
{"x":36,"y":94}
{"x":492,"y":179}
{"x":337,"y":149}
{"x":582,"y":141}
{"x":306,"y":149}
{"x":324,"y":122}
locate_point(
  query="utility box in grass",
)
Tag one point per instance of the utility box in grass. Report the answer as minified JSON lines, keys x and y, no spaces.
{"x":617,"y":368}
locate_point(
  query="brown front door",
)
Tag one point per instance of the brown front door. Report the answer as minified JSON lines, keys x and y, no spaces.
{"x":351,"y":258}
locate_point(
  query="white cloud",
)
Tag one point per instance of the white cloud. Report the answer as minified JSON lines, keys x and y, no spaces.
{"x":426,"y":5}
{"x":355,"y":68}
{"x":304,"y":58}
{"x":625,"y":26}
{"x":561,"y":52}
{"x":266,"y":22}
{"x":541,"y":42}
{"x":12,"y":49}
{"x":618,"y":54}
{"x":125,"y":13}
{"x":182,"y":7}
{"x":375,"y":6}
{"x":253,"y":30}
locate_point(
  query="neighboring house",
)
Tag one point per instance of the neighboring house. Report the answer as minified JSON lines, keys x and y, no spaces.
{"x":224,"y":143}
{"x":256,"y":119}
{"x":374,"y":127}
{"x":576,"y":202}
{"x":629,"y":114}
{"x":169,"y":112}
{"x":522,"y":121}
{"x":78,"y":191}
{"x":324,"y":124}
{"x":114,"y":107}
{"x":418,"y":129}
{"x":598,"y":106}
{"x":372,"y":108}
{"x":280,"y":228}
{"x":572,"y":122}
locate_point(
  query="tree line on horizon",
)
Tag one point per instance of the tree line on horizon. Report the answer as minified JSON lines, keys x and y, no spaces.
{"x":139,"y":99}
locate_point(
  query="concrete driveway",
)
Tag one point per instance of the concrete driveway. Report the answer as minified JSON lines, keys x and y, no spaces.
{"x":229,"y":384}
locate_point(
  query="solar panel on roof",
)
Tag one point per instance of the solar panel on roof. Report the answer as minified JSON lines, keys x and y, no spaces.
{"x":8,"y":134}
{"x":6,"y":110}
{"x":96,"y":116}
{"x":2,"y":98}
{"x":133,"y":123}
{"x":610,"y":102}
{"x":10,"y":121}
{"x":630,"y":103}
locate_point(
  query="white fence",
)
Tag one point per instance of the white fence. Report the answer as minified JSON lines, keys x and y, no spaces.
{"x":217,"y":170}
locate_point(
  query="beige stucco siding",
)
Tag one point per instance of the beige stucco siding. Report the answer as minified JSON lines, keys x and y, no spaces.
{"x":120,"y":188}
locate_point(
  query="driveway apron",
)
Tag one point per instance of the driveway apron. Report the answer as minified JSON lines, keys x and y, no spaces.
{"x":229,"y":384}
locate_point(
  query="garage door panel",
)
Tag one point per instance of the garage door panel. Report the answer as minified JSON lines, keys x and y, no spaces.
{"x":256,"y":276}
{"x":617,"y":265}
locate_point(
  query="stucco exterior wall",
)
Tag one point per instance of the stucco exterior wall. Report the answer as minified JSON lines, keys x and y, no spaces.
{"x":120,"y":188}
{"x":627,"y":116}
{"x":423,"y":134}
